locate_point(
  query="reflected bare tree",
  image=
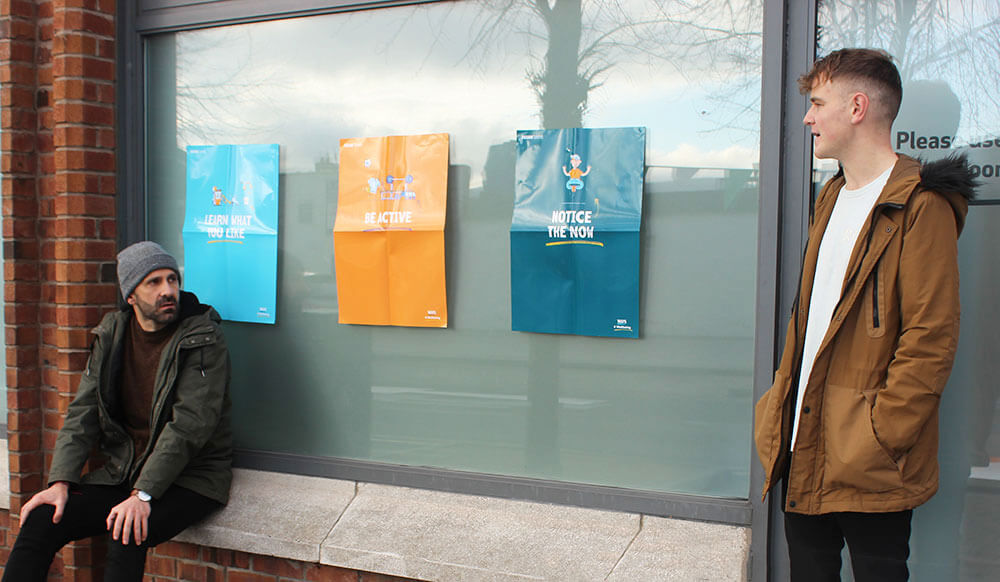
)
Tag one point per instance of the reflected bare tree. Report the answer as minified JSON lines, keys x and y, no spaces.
{"x":207,"y":95}
{"x":709,"y":42}
{"x":957,"y":41}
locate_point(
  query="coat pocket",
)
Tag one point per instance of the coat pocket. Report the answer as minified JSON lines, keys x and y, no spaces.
{"x":767,"y":422}
{"x":854,"y":458}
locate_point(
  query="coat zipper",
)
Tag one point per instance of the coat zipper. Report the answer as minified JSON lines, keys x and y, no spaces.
{"x":875,"y":317}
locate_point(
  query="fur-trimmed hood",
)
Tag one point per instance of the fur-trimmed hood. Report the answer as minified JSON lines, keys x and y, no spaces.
{"x":952,"y":178}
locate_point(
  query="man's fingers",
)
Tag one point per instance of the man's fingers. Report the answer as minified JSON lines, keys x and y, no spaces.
{"x":58,"y":513}
{"x":126,"y":528}
{"x":26,"y":509}
{"x":139,"y":532}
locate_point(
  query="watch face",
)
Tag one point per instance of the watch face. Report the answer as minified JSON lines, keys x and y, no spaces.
{"x":143,"y":496}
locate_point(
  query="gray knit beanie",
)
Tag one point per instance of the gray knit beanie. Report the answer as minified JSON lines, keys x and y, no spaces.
{"x":140,"y":259}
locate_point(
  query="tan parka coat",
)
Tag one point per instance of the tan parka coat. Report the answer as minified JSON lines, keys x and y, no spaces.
{"x":868,"y":435}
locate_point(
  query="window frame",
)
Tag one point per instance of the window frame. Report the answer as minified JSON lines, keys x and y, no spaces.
{"x":785,"y":159}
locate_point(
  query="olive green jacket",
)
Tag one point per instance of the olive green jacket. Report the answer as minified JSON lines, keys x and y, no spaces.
{"x":190,"y":442}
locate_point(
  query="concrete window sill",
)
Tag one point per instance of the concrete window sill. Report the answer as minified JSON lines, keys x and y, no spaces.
{"x":433,"y":535}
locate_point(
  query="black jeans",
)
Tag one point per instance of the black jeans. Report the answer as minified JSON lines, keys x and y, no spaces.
{"x":879,"y":544}
{"x":85,"y":516}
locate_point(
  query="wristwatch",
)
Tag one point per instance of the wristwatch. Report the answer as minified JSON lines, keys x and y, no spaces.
{"x":143,"y":496}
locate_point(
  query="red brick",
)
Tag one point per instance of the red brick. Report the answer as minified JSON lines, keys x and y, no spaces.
{"x":73,"y":315}
{"x":70,"y":338}
{"x":320,"y":573}
{"x":15,"y":227}
{"x":277,"y":566}
{"x":161,"y":566}
{"x":18,"y":314}
{"x":18,"y":141}
{"x":86,"y":113}
{"x":17,"y":186}
{"x":25,"y":420}
{"x":22,"y":399}
{"x":86,"y":294}
{"x":24,"y":441}
{"x":28,"y":484}
{"x":178,"y":550}
{"x":76,"y":135}
{"x":69,"y":227}
{"x":85,"y":205}
{"x":19,"y":357}
{"x":78,"y":159}
{"x":18,"y":163}
{"x":21,"y":378}
{"x":83,"y":66}
{"x":21,"y":291}
{"x":82,"y":249}
{"x":21,"y":335}
{"x":196,"y":571}
{"x":75,"y":19}
{"x":26,"y":462}
{"x":241,"y":576}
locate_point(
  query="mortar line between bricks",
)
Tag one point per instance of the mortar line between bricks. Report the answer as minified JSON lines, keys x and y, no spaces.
{"x":642,"y":519}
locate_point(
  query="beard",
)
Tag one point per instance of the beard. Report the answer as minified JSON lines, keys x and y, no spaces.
{"x":164,"y":311}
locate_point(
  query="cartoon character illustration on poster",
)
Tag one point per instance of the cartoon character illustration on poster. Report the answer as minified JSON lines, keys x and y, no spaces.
{"x":575,"y":183}
{"x":374,"y":185}
{"x":218,"y":198}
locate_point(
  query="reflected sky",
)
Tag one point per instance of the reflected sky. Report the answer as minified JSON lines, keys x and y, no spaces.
{"x":460,"y":68}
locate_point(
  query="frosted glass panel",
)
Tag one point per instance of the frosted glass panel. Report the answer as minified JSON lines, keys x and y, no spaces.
{"x":668,"y":412}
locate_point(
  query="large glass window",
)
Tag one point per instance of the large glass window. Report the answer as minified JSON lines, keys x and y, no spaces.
{"x":669,"y":412}
{"x":949,"y":58}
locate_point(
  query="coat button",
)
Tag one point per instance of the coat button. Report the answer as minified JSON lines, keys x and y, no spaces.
{"x":805,"y":410}
{"x":791,"y":504}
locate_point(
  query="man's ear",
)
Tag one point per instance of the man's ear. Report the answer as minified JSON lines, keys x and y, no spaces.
{"x":859,"y":107}
{"x":130,"y":299}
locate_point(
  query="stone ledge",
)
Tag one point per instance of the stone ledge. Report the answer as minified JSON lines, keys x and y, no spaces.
{"x":434,"y":535}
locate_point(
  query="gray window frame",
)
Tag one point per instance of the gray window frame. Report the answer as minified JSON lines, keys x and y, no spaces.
{"x":789,"y":35}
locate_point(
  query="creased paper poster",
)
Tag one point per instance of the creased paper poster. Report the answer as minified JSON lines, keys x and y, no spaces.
{"x":574,"y":237}
{"x":388,"y":238}
{"x":231,"y":229}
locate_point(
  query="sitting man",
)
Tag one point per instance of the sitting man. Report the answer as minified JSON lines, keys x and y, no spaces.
{"x":154,"y":402}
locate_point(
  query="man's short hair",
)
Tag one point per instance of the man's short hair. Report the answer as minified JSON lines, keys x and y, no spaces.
{"x":872,"y":69}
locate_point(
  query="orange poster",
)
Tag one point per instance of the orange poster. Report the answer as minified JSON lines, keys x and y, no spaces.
{"x":388,"y":239}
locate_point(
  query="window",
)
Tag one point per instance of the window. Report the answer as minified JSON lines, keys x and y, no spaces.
{"x":947,"y":54}
{"x":670,"y":412}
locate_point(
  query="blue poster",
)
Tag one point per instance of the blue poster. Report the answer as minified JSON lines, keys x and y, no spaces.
{"x":231,"y":229}
{"x":574,"y":238}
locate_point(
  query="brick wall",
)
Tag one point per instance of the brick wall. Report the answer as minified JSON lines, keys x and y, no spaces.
{"x":176,"y":561}
{"x":57,"y":65}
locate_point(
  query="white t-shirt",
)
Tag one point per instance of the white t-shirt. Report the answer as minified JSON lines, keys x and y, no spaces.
{"x":849,"y":215}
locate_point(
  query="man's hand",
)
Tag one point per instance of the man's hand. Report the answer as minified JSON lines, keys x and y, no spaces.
{"x":130,"y":520}
{"x":56,"y":496}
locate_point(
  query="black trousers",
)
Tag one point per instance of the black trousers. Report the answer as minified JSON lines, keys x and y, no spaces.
{"x":879,"y":544}
{"x":85,"y":516}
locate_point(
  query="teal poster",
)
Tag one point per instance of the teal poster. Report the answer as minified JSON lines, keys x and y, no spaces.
{"x":574,"y":237}
{"x":231,"y":229}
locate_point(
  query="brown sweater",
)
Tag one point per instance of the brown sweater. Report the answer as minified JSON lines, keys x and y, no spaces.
{"x":141,"y":352}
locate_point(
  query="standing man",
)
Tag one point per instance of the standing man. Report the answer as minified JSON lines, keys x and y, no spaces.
{"x":154,"y":402}
{"x":851,"y":422}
